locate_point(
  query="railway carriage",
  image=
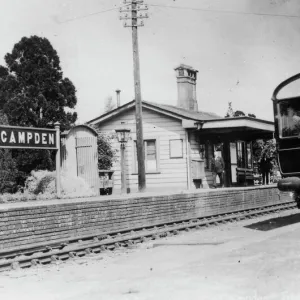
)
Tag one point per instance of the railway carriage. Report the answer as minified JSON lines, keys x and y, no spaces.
{"x":287,"y":135}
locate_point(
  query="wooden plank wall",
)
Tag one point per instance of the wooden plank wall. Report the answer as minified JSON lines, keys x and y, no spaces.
{"x":195,"y":154}
{"x":87,"y":161}
{"x":23,"y":224}
{"x":173,"y":172}
{"x":79,"y":155}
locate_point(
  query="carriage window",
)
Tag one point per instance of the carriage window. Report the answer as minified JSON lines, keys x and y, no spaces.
{"x":289,"y":118}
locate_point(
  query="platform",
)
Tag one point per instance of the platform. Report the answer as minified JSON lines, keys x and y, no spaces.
{"x":229,"y":262}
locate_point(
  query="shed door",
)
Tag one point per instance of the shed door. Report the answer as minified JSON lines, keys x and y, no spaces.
{"x":87,"y":160}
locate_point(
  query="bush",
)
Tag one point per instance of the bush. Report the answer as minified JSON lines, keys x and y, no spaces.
{"x":106,"y":151}
{"x":42,"y":184}
{"x":17,"y":197}
{"x":75,"y":187}
{"x":30,"y":159}
{"x":8,"y":172}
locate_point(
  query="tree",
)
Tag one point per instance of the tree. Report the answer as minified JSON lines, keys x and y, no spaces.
{"x":265,"y":147}
{"x":239,"y":113}
{"x":8,"y":172}
{"x":109,"y":104}
{"x":106,"y":152}
{"x":230,"y":111}
{"x":252,"y":115}
{"x":33,"y":91}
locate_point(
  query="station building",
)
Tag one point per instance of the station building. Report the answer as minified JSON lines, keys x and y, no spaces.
{"x":180,"y":141}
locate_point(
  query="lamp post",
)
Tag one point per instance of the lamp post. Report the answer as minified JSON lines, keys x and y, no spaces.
{"x":123,"y":136}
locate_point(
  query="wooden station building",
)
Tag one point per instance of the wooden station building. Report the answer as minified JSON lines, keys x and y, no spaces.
{"x":180,"y":141}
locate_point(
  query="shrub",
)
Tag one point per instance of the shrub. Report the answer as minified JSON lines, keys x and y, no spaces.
{"x":17,"y":197}
{"x":30,"y":159}
{"x":106,"y":151}
{"x":75,"y":187}
{"x":8,"y":172}
{"x":42,"y":184}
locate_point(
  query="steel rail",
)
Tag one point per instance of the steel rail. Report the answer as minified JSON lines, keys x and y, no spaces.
{"x":94,"y":244}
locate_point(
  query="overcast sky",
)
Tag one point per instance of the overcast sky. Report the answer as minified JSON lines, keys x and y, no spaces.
{"x":240,"y":57}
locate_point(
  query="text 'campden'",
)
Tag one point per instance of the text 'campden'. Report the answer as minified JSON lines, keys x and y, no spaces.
{"x":27,"y":138}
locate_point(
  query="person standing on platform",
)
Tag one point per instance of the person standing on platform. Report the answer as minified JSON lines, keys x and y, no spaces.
{"x":265,"y":168}
{"x":217,"y":167}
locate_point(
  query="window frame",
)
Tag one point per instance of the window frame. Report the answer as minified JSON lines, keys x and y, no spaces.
{"x":251,"y":153}
{"x":175,"y":157}
{"x":279,"y":119}
{"x":244,"y":152}
{"x":134,"y":156}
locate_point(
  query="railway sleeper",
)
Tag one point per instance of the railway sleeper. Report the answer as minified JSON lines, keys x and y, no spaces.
{"x":72,"y":254}
{"x":164,"y":230}
{"x":55,"y":259}
{"x":35,"y":262}
{"x":89,"y":251}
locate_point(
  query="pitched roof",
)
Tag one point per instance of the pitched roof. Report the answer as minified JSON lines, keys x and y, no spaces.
{"x":175,"y":111}
{"x":195,"y":115}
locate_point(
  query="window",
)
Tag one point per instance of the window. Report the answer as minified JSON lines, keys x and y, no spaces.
{"x":249,"y":155}
{"x":207,"y":157}
{"x":289,"y":118}
{"x":244,"y":155}
{"x":233,"y":158}
{"x":151,"y":156}
{"x":176,"y":148}
{"x":241,"y":154}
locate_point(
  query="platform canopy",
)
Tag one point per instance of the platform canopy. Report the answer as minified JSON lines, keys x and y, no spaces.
{"x":246,"y":128}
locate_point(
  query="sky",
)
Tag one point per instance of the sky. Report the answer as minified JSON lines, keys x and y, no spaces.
{"x":241,"y":55}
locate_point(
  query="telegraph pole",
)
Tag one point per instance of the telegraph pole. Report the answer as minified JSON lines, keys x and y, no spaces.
{"x":134,"y":13}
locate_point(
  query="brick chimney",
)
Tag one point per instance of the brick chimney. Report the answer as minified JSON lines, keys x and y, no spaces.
{"x":186,"y":86}
{"x":118,"y":97}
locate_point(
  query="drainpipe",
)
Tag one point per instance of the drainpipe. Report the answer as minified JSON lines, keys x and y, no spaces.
{"x":118,"y":97}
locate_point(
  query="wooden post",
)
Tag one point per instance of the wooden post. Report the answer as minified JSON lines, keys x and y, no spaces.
{"x":138,"y":102}
{"x":123,"y":170}
{"x":188,"y":160}
{"x":58,"y":188}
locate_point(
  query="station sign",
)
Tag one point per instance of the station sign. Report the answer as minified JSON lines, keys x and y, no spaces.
{"x":27,"y":137}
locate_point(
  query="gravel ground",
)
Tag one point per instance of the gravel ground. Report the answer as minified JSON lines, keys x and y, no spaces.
{"x":225,"y":262}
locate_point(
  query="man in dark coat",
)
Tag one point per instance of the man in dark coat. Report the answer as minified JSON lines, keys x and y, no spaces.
{"x":265,"y":168}
{"x":217,"y":167}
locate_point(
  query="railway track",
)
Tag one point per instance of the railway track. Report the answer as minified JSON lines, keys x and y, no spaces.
{"x":85,"y":246}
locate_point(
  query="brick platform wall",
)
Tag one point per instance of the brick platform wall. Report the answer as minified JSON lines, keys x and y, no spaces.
{"x":24,"y":224}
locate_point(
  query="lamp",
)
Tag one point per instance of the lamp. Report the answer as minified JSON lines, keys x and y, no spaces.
{"x":123,"y":136}
{"x":200,"y":125}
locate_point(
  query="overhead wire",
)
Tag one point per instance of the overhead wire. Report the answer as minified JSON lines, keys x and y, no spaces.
{"x":223,"y":11}
{"x":185,"y":8}
{"x":93,"y":14}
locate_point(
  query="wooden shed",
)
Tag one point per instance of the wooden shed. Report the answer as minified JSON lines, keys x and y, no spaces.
{"x":79,"y":155}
